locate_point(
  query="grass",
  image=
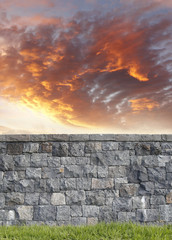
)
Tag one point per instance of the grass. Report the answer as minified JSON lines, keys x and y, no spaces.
{"x":101,"y":231}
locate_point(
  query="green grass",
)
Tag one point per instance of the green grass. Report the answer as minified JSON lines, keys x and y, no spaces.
{"x":102,"y":231}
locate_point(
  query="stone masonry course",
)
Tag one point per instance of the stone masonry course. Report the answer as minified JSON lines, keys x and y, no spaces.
{"x":61,"y":179}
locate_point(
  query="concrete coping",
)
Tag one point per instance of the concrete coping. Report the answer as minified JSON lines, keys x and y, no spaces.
{"x":86,"y":137}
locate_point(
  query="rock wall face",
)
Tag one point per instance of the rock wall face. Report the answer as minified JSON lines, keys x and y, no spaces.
{"x":84,"y":179}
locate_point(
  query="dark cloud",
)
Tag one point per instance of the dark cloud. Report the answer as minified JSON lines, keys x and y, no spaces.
{"x":96,"y":70}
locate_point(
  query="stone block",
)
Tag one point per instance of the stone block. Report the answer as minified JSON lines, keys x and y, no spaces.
{"x":2,"y":147}
{"x":126,"y":146}
{"x":25,"y":212}
{"x":83,"y":183}
{"x":126,"y":216}
{"x":148,"y":215}
{"x":157,"y":174}
{"x":58,"y":199}
{"x":112,"y":158}
{"x":128,"y":190}
{"x":76,"y":211}
{"x":73,"y":171}
{"x":163,"y":160}
{"x":68,"y":184}
{"x":78,"y":221}
{"x":53,"y":185}
{"x":1,"y":175}
{"x":2,"y":215}
{"x":102,"y":183}
{"x":165,"y":213}
{"x":60,"y":149}
{"x":54,"y":162}
{"x":46,"y":147}
{"x":157,"y":200}
{"x":119,"y":182}
{"x":10,"y":215}
{"x":32,"y":198}
{"x":25,"y":185}
{"x":107,"y":214}
{"x":102,"y":171}
{"x":22,"y":161}
{"x":117,"y":171}
{"x":92,"y":220}
{"x":33,"y":173}
{"x":45,"y":212}
{"x":137,"y":173}
{"x":52,"y":173}
{"x":14,"y":148}
{"x":122,"y":204}
{"x":141,"y":202}
{"x":146,"y":188}
{"x":169,"y":177}
{"x":169,"y":197}
{"x":2,"y":200}
{"x":90,"y":211}
{"x":77,"y":149}
{"x":44,"y":198}
{"x":68,"y":160}
{"x":6,"y":163}
{"x":92,"y":147}
{"x":169,"y":167}
{"x":30,"y":147}
{"x":75,"y":197}
{"x":13,"y":198}
{"x":142,"y":149}
{"x":39,"y":160}
{"x":40,"y":185}
{"x":78,"y":137}
{"x":11,"y":176}
{"x":95,"y":198}
{"x":89,"y":171}
{"x":109,"y":146}
{"x":63,"y":213}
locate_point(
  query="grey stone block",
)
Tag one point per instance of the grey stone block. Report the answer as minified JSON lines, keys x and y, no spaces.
{"x":122,"y":204}
{"x":46,"y":147}
{"x":32,"y":198}
{"x":60,"y":149}
{"x":102,"y":171}
{"x":25,"y":212}
{"x":92,"y":147}
{"x":109,"y":146}
{"x":157,"y":200}
{"x":117,"y":171}
{"x":166,"y":213}
{"x":76,"y":211}
{"x":54,"y":162}
{"x":39,"y":160}
{"x":44,"y":198}
{"x":6,"y":163}
{"x":44,"y":212}
{"x":140,"y":202}
{"x":68,"y":160}
{"x":169,"y":167}
{"x":89,"y":171}
{"x":78,"y":221}
{"x":68,"y":184}
{"x":2,"y":147}
{"x":75,"y":197}
{"x":126,"y":146}
{"x":119,"y":182}
{"x":53,"y":185}
{"x":107,"y":214}
{"x":30,"y":147}
{"x":1,"y":175}
{"x":52,"y":173}
{"x":146,"y":188}
{"x":13,"y":198}
{"x":148,"y":215}
{"x":92,"y":221}
{"x":95,"y":198}
{"x":102,"y":183}
{"x":11,"y":176}
{"x":14,"y":148}
{"x":25,"y":185}
{"x":157,"y":174}
{"x":126,"y":216}
{"x":63,"y":213}
{"x":77,"y":149}
{"x":33,"y":173}
{"x":40,"y":185}
{"x":90,"y":211}
{"x":78,"y":137}
{"x":128,"y":190}
{"x":22,"y":161}
{"x":113,"y":158}
{"x":73,"y":171}
{"x":169,"y":177}
{"x":58,"y":199}
{"x":83,"y":183}
{"x":2,"y":200}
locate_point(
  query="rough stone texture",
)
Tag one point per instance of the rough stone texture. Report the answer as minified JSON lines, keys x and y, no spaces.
{"x":83,"y":179}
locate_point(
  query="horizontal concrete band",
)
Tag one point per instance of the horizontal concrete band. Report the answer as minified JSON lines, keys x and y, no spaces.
{"x":86,"y":137}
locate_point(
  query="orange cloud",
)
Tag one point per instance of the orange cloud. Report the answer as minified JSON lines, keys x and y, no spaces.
{"x":141,"y":104}
{"x":94,"y":72}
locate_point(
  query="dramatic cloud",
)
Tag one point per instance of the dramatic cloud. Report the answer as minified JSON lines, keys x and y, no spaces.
{"x":95,"y":70}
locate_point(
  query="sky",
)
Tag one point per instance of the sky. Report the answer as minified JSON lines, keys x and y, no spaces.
{"x":86,"y":66}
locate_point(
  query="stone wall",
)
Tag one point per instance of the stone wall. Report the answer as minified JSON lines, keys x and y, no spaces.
{"x":83,"y":179}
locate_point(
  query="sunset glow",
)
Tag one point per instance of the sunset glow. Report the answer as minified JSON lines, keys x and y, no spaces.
{"x":86,"y":66}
